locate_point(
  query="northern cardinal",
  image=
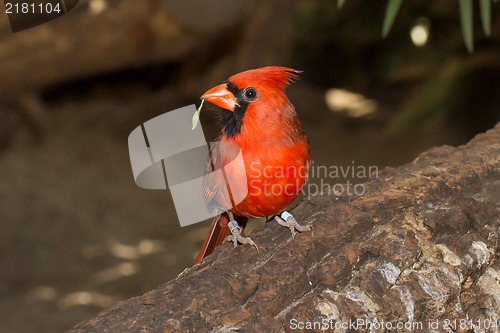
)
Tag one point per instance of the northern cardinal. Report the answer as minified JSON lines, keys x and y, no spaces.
{"x":259,"y":119}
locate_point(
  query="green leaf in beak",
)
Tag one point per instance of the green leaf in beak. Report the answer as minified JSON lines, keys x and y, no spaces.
{"x":196,"y":116}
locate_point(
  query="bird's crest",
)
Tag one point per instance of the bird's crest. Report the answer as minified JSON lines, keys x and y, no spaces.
{"x":274,"y":76}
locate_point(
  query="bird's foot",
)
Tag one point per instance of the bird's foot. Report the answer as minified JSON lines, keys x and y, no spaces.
{"x":287,"y":220}
{"x":236,"y":236}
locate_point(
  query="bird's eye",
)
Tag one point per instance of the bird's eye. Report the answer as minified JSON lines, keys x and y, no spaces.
{"x":250,"y":94}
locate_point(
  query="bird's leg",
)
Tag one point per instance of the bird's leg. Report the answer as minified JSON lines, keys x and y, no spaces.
{"x":287,"y":220}
{"x":236,"y":236}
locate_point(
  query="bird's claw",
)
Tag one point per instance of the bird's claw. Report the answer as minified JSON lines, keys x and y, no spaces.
{"x":287,"y":220}
{"x":236,"y":237}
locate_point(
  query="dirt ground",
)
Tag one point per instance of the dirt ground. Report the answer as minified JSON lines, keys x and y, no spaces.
{"x":78,"y":234}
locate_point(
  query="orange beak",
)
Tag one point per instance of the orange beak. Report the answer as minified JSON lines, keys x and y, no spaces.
{"x":221,"y":97}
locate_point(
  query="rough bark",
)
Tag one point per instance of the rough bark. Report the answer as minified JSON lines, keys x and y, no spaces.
{"x":421,"y":245}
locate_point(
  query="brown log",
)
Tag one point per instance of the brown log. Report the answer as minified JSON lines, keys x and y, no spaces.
{"x":422,"y":245}
{"x":125,"y":34}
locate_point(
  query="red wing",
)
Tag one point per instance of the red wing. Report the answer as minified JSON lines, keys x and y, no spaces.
{"x":216,"y":192}
{"x":212,"y":182}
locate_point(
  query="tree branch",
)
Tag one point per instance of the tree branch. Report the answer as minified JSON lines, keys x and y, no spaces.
{"x":422,"y":244}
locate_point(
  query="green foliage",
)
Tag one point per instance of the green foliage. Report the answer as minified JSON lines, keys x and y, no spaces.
{"x":390,"y":15}
{"x":485,"y":7}
{"x":466,"y":18}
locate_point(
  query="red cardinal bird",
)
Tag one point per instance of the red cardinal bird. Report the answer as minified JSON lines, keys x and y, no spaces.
{"x":258,"y":118}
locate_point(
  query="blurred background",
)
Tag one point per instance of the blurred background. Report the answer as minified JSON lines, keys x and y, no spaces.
{"x":78,"y":235}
